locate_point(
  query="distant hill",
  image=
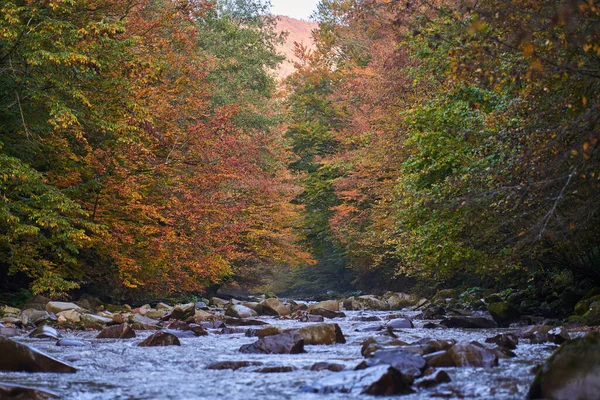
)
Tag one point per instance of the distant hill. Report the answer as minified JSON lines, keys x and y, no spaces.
{"x":299,"y":31}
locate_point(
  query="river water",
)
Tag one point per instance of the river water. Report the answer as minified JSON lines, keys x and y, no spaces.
{"x":118,"y":369}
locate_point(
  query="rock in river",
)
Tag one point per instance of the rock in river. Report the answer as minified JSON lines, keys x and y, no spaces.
{"x":240,"y":311}
{"x":381,"y":380}
{"x":44,"y":332}
{"x":322,"y":334}
{"x":275,"y":307}
{"x":472,"y":354}
{"x":19,"y":357}
{"x":123,"y":331}
{"x":233,"y":365}
{"x":468,"y":322}
{"x":572,"y":372}
{"x":409,"y":364}
{"x":285,"y":343}
{"x":161,"y":338}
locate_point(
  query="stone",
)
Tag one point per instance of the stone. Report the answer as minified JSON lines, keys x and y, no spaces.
{"x":539,"y":334}
{"x":434,"y":312}
{"x":240,"y":311}
{"x":275,"y":307}
{"x":44,"y":332}
{"x":230,"y":331}
{"x":438,"y":379}
{"x":398,"y":301}
{"x":141,"y":322}
{"x":201,"y":315}
{"x":164,"y":307}
{"x":571,"y":372}
{"x":374,"y":343}
{"x":367,"y":302}
{"x":381,"y":380}
{"x":18,"y":357}
{"x":263,"y":332}
{"x":122,"y":331}
{"x":218,"y":303}
{"x":445,"y":295}
{"x":93,"y":319}
{"x":70,"y":316}
{"x":504,"y":313}
{"x":7,"y":311}
{"x":71,"y":343}
{"x":400,"y":323}
{"x":160,"y":338}
{"x":156,"y":314}
{"x":233,"y":365}
{"x":39,"y":317}
{"x":437,"y":344}
{"x":331,"y":305}
{"x":472,"y":354}
{"x":60,"y":306}
{"x":439,"y":359}
{"x":253,"y":306}
{"x":36,"y":302}
{"x":507,"y":340}
{"x":183,"y":311}
{"x":321,"y":366}
{"x":322,"y":334}
{"x":284,"y":343}
{"x":468,"y":322}
{"x":408,"y":363}
{"x":10,"y":392}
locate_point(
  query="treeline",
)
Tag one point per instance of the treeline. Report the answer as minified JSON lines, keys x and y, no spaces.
{"x":450,"y":142}
{"x":138,"y":146}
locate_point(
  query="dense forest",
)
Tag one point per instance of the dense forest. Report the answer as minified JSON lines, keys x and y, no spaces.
{"x":147,"y":147}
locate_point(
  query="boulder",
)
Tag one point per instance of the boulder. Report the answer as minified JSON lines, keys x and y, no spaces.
{"x":19,"y":357}
{"x":122,"y":331}
{"x":284,"y":343}
{"x":539,"y":334}
{"x":468,"y":322}
{"x":218,"y":303}
{"x":367,"y":302}
{"x":408,"y":363}
{"x":10,"y":392}
{"x":445,"y":295}
{"x":253,"y":306}
{"x":506,"y":340}
{"x":504,"y":313}
{"x":331,"y":305}
{"x":183,"y":311}
{"x":161,"y":338}
{"x":8,"y":311}
{"x":472,"y":354}
{"x":437,"y":344}
{"x":39,"y":317}
{"x":233,"y":365}
{"x":36,"y":302}
{"x":263,"y":332}
{"x":156,"y":314}
{"x":381,"y":380}
{"x":439,"y":359}
{"x":275,"y":307}
{"x":244,"y":322}
{"x":69,"y":317}
{"x":60,"y":306}
{"x":240,"y":311}
{"x":201,"y":315}
{"x":374,"y":343}
{"x":321,"y":366}
{"x":322,"y":334}
{"x":141,"y":322}
{"x":400,"y":323}
{"x":572,"y":372}
{"x":398,"y":301}
{"x":434,"y":312}
{"x":44,"y":332}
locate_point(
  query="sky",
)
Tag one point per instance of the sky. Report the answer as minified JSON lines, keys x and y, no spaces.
{"x":294,"y":8}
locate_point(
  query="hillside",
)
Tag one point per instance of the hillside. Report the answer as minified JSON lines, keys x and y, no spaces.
{"x":299,"y":31}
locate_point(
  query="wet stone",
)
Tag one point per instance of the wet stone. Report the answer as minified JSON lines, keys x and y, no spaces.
{"x":438,"y":379}
{"x":284,"y":343}
{"x":122,"y":331}
{"x":507,"y":340}
{"x":473,"y":354}
{"x":161,"y":338}
{"x":19,"y":357}
{"x":44,"y":332}
{"x":71,"y":343}
{"x":409,"y":364}
{"x":468,"y":322}
{"x":271,"y":370}
{"x":400,"y":323}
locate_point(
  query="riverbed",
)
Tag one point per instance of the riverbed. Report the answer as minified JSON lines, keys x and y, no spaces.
{"x":118,"y":369}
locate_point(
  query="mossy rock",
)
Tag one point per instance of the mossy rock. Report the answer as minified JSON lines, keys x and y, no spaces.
{"x":504,"y":313}
{"x":571,"y":372}
{"x":493,"y":298}
{"x":445,"y":294}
